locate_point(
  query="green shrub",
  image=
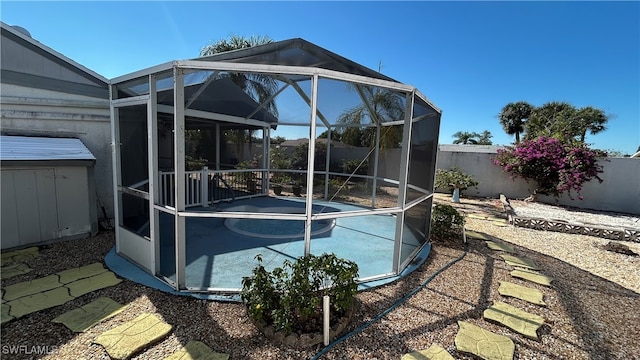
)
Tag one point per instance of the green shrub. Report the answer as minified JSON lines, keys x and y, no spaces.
{"x":446,"y":222}
{"x":290,"y":297}
{"x":336,"y":189}
{"x":192,"y":164}
{"x":351,"y":167}
{"x":454,"y":178}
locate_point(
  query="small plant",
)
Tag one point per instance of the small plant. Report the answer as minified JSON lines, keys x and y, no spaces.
{"x":336,"y":188}
{"x":454,"y":179}
{"x":290,"y":297}
{"x":446,"y":222}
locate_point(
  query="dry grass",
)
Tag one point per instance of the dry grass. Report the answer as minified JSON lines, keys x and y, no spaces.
{"x":591,"y":313}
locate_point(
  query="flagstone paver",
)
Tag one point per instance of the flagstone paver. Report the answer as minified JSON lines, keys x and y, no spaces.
{"x":518,"y":320}
{"x":127,"y":339}
{"x":196,"y":350}
{"x":434,"y":352}
{"x":19,"y":255}
{"x":483,"y":343}
{"x":532,"y":276}
{"x":40,"y":301}
{"x":27,"y":288}
{"x":516,"y":261}
{"x":82,"y":272}
{"x":4,"y":312}
{"x":14,"y":269}
{"x":533,"y":296}
{"x":87,"y":285}
{"x":500,"y":246}
{"x":477,"y":235}
{"x":30,"y":296}
{"x":85,"y":317}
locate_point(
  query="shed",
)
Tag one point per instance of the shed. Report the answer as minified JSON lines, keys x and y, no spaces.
{"x":48,"y":190}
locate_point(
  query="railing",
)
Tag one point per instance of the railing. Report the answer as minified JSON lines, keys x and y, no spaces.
{"x":205,"y":187}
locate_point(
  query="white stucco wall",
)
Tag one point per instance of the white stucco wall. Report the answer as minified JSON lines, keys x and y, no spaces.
{"x":620,"y":190}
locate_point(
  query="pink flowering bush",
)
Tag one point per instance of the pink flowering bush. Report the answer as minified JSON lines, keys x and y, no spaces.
{"x":556,"y":167}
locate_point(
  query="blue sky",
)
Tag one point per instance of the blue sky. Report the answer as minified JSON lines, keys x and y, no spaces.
{"x":469,"y":58}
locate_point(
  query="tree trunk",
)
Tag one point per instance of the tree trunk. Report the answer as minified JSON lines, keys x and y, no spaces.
{"x":533,"y":197}
{"x":456,"y":195}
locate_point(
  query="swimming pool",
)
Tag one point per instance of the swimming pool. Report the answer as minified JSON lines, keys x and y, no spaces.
{"x":276,"y":228}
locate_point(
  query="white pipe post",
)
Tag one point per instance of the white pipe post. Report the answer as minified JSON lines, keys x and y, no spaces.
{"x":180,"y":183}
{"x":325,"y":311}
{"x":204,"y":187}
{"x":310,"y":166}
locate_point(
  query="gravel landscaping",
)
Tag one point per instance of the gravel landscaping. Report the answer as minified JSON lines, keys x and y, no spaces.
{"x":591,"y":312}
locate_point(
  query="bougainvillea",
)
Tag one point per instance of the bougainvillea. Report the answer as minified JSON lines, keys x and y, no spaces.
{"x":556,"y":167}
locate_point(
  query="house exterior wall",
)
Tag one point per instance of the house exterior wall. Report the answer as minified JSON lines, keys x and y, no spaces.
{"x":30,"y":111}
{"x":46,"y":202}
{"x":43,"y":93}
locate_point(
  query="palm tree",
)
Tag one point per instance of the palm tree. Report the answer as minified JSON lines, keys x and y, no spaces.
{"x":485,"y":138}
{"x":553,"y":119}
{"x":379,"y":105}
{"x":590,"y":119}
{"x":465,"y":137}
{"x":261,"y":87}
{"x":513,"y":117}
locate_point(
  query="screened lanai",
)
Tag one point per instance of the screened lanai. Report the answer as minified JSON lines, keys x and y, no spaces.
{"x":279,"y":150}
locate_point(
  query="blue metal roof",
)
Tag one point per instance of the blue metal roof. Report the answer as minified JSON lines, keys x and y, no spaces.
{"x":24,"y":148}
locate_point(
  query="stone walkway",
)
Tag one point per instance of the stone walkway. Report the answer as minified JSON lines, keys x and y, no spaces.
{"x":27,"y":297}
{"x":485,"y":344}
{"x":121,"y":342}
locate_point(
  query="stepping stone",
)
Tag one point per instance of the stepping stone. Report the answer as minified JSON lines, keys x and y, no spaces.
{"x":40,"y":301}
{"x":82,"y":272}
{"x":532,"y":276}
{"x":500,"y":246}
{"x":85,"y":317}
{"x":520,"y":321}
{"x":87,"y":285}
{"x":127,"y":339}
{"x":4,"y":312}
{"x":27,"y":288}
{"x":196,"y":350}
{"x":477,"y":235}
{"x":483,"y":343}
{"x":501,"y":223}
{"x":434,"y":352}
{"x":14,"y":270}
{"x":477,"y":216}
{"x":533,"y":296}
{"x":19,"y":255}
{"x":516,"y":261}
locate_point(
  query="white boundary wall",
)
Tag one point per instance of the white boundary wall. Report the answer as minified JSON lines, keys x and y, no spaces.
{"x":619,"y":192}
